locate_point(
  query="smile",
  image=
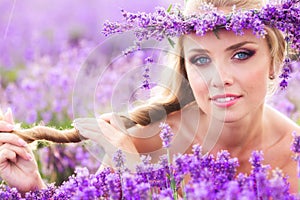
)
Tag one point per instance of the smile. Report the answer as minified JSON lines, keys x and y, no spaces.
{"x":226,"y":100}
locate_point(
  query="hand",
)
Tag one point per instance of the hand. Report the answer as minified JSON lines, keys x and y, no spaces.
{"x":110,"y":133}
{"x":6,"y":121}
{"x":17,"y":165}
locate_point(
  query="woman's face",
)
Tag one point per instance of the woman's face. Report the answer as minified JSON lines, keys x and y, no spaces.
{"x":228,"y":73}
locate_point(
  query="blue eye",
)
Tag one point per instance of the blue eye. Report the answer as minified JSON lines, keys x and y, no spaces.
{"x":243,"y":55}
{"x":200,"y":60}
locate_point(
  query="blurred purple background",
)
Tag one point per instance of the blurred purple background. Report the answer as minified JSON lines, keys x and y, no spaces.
{"x":33,"y":28}
{"x":42,"y":47}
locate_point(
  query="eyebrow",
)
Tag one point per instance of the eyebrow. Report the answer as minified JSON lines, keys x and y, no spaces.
{"x":238,"y":45}
{"x":198,"y":50}
{"x":233,"y":47}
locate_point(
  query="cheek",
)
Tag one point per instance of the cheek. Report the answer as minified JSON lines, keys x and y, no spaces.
{"x":256,"y":80}
{"x":199,"y":85}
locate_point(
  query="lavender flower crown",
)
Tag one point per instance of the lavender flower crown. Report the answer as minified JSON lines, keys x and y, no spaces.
{"x":171,"y":22}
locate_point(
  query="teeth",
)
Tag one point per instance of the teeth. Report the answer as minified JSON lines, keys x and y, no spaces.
{"x":222,"y":100}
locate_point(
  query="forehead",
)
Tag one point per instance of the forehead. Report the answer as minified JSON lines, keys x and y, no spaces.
{"x":222,"y":38}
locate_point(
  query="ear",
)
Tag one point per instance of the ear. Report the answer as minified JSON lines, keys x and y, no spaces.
{"x":272,"y":72}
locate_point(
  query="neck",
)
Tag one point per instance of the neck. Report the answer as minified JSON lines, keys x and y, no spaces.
{"x":244,"y":133}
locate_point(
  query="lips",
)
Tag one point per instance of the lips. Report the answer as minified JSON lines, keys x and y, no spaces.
{"x":225,"y":100}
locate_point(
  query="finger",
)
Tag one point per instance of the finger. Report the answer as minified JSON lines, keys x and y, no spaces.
{"x":5,"y":126}
{"x":117,"y":122}
{"x":7,"y":154}
{"x":100,"y":131}
{"x":109,"y":132}
{"x":106,"y":117}
{"x":22,"y":152}
{"x":86,"y":123}
{"x":12,"y":139}
{"x":111,"y":136}
{"x":8,"y":116}
{"x":88,"y":128}
{"x":119,"y":139}
{"x":128,"y":123}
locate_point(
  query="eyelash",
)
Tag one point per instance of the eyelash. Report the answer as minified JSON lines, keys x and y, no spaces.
{"x":246,"y":53}
{"x":194,"y":60}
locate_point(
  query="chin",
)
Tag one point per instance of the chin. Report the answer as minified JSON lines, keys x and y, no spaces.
{"x":227,"y":117}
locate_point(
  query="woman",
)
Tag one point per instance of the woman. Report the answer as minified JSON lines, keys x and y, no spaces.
{"x":220,"y":83}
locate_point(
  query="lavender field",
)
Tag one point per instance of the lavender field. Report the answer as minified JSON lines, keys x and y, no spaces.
{"x":56,"y":65}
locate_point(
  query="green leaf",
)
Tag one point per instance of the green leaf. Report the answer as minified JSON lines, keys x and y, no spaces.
{"x":216,"y":32}
{"x":171,"y":42}
{"x":169,"y":8}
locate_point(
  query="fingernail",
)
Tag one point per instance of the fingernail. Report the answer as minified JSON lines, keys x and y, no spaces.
{"x":22,"y":142}
{"x":29,"y":156}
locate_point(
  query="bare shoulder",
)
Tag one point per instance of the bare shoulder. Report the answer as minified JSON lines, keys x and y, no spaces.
{"x":147,"y":139}
{"x":281,"y":122}
{"x":280,"y":155}
{"x":280,"y":129}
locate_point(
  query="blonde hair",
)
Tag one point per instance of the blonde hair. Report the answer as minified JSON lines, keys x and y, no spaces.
{"x":179,"y":93}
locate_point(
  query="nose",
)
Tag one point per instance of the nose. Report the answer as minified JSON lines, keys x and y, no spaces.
{"x":221,"y":76}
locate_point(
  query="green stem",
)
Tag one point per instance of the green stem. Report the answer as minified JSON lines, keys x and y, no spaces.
{"x":172,"y":180}
{"x":182,"y":188}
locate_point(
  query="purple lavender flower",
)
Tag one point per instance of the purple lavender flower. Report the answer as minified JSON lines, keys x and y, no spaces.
{"x":166,"y":135}
{"x":170,"y":23}
{"x":211,"y":172}
{"x":296,"y":149}
{"x":279,"y":186}
{"x":258,"y":175}
{"x":200,"y":190}
{"x":181,"y":168}
{"x":256,"y":161}
{"x":143,"y":190}
{"x":232,"y":190}
{"x":166,"y":194}
{"x":9,"y":193}
{"x":119,"y":160}
{"x":224,"y":168}
{"x":146,"y":82}
{"x":43,"y":194}
{"x":113,"y":182}
{"x":99,"y":181}
{"x":146,"y":171}
{"x":296,"y":143}
{"x":132,"y":190}
{"x":285,"y":75}
{"x":197,"y":151}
